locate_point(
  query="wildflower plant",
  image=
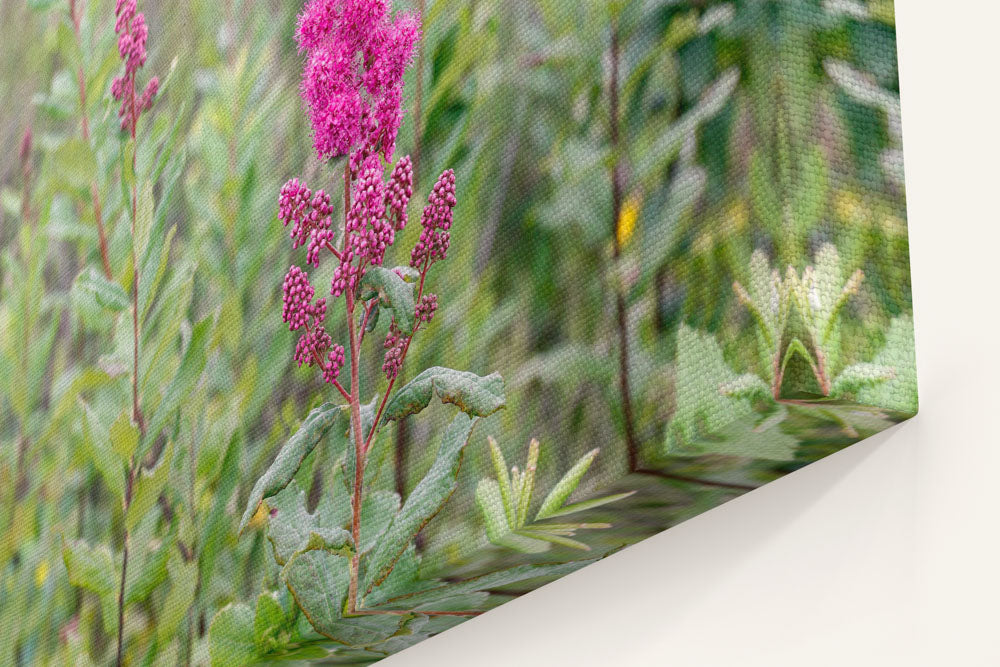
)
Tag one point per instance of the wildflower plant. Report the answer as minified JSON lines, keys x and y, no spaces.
{"x":505,"y":502}
{"x":796,"y":317}
{"x":351,"y":567}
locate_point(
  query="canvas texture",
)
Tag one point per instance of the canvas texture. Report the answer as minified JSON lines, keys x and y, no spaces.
{"x":329,"y":326}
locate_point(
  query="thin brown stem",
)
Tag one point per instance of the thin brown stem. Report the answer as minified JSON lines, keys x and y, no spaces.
{"x":617,"y":187}
{"x":121,"y":586}
{"x":102,"y":236}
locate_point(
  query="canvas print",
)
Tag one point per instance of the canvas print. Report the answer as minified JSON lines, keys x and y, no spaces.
{"x":327,"y":326}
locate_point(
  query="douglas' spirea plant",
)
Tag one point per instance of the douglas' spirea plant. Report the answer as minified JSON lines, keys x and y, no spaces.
{"x":352,"y":567}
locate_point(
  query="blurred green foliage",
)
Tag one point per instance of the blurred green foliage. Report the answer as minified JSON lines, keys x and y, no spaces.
{"x":743,"y":127}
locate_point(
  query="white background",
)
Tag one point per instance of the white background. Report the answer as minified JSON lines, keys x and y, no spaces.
{"x":887,"y":553}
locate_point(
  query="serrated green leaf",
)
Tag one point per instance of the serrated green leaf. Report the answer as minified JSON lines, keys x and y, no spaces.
{"x":231,"y":638}
{"x":474,"y":395}
{"x":394,"y":293}
{"x":566,"y":486}
{"x":377,"y":511}
{"x":290,"y":457}
{"x":292,"y":529}
{"x":423,"y":503}
{"x":319,"y":581}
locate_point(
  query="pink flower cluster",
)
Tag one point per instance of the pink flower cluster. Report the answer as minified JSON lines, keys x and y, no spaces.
{"x":394,"y":345}
{"x":356,"y":52}
{"x":132,"y":33}
{"x":309,"y":216}
{"x":426,"y":308}
{"x":315,"y":345}
{"x":436,"y":222}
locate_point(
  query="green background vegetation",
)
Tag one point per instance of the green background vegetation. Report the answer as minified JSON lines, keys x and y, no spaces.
{"x":716,"y":151}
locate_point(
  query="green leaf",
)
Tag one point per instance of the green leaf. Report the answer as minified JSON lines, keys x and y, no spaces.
{"x":231,"y":638}
{"x":147,"y":570}
{"x":319,"y":581}
{"x":98,"y":447}
{"x":143,"y":220}
{"x":92,"y":569}
{"x":503,"y":479}
{"x":588,"y":504}
{"x":810,"y":195}
{"x":124,"y":436}
{"x":474,"y":395}
{"x":75,"y":163}
{"x":747,"y":386}
{"x":180,"y":597}
{"x":754,"y":435}
{"x":394,"y":293}
{"x":566,"y":486}
{"x":269,"y":621}
{"x":148,"y":487}
{"x":899,"y":393}
{"x":290,"y":457}
{"x":424,"y":501}
{"x":186,"y":378}
{"x":108,"y":294}
{"x":292,"y":529}
{"x":377,"y":511}
{"x":498,"y":530}
{"x":701,"y":406}
{"x":856,"y":376}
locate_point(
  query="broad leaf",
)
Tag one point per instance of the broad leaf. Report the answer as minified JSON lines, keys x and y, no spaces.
{"x":290,"y":457}
{"x":92,"y":569}
{"x":183,"y":582}
{"x":394,"y":293}
{"x":423,"y":503}
{"x":858,"y":376}
{"x":108,"y":294}
{"x":474,"y":395}
{"x":319,"y":581}
{"x":230,"y":637}
{"x":148,"y":487}
{"x":292,"y":529}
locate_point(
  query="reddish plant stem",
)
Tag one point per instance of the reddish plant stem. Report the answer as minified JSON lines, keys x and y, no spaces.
{"x":631,"y":440}
{"x":402,"y":358}
{"x":336,"y":253}
{"x":85,"y":130}
{"x":369,"y":307}
{"x":359,"y":452}
{"x":319,"y":363}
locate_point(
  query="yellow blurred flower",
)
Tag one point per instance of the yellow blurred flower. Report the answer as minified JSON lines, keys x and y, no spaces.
{"x":41,"y":573}
{"x":627,"y":218}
